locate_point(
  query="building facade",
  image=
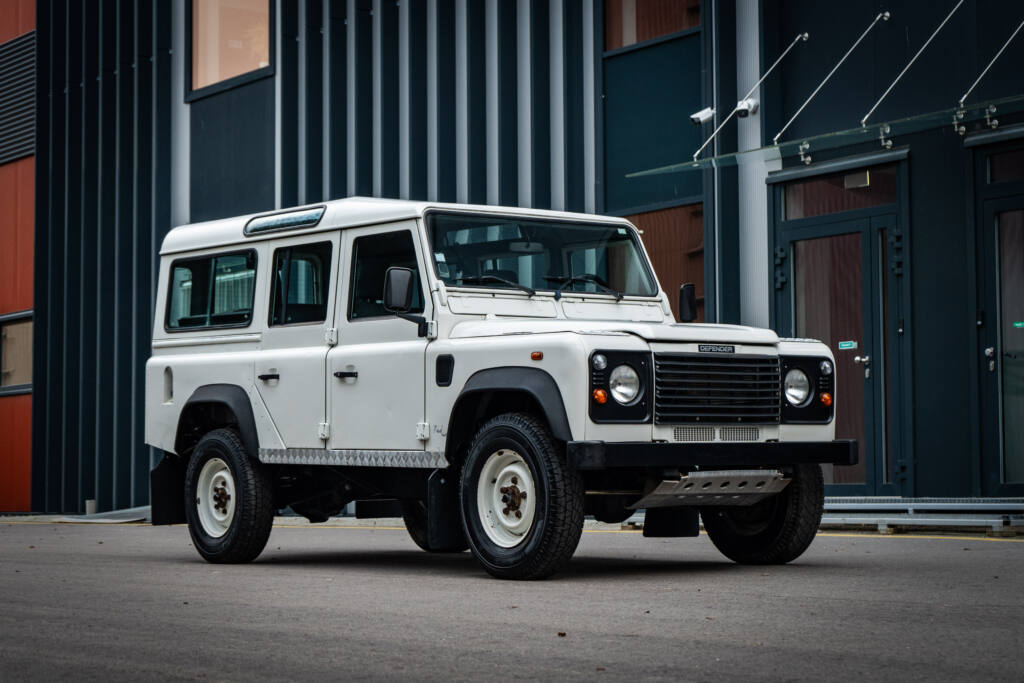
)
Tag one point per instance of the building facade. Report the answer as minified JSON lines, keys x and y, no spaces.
{"x":898,"y":246}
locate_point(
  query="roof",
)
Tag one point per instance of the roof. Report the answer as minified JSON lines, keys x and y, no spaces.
{"x":339,"y":214}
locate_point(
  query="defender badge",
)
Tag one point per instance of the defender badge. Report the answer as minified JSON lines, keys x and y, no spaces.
{"x":716,"y":348}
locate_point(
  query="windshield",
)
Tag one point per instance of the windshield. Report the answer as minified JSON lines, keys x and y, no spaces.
{"x":530,"y":254}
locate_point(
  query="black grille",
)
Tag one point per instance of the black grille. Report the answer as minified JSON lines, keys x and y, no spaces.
{"x":719,"y":388}
{"x":17,"y":97}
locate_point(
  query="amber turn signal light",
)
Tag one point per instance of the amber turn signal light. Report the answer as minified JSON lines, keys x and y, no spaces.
{"x":537,"y":355}
{"x":600,"y":395}
{"x":826,"y":399}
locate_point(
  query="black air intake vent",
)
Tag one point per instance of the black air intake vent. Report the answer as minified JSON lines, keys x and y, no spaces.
{"x":17,"y":97}
{"x":716,"y":389}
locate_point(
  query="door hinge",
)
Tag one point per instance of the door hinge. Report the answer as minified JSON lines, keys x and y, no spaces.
{"x":331,"y":336}
{"x":324,"y":430}
{"x":431,"y":329}
{"x":422,"y":431}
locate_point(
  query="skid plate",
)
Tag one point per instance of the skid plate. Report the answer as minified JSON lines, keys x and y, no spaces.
{"x":724,"y":487}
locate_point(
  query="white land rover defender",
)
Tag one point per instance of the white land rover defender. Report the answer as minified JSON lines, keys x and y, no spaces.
{"x":491,"y":374}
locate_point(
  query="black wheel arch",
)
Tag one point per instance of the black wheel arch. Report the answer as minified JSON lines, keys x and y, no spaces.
{"x":497,"y":390}
{"x":212,"y":406}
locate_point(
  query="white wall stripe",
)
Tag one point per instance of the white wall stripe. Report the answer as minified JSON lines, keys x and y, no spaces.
{"x":325,"y":88}
{"x":432,"y":100}
{"x":303,"y":92}
{"x":461,"y":103}
{"x":524,"y":103}
{"x":556,"y":64}
{"x":403,"y":101}
{"x":350,"y":99}
{"x":378,"y":170}
{"x":589,"y":114}
{"x":180,"y":125}
{"x":493,"y":150}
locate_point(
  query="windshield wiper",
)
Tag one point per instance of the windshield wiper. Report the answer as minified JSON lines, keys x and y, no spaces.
{"x":479,"y":279}
{"x":583,"y":277}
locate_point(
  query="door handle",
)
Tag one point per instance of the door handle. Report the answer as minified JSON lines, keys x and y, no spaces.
{"x":990,"y":353}
{"x":866,"y":360}
{"x":268,"y":377}
{"x":345,"y":374}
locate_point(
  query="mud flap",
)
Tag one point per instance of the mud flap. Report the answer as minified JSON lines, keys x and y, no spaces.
{"x":671,"y":522}
{"x":444,"y":522}
{"x":167,"y":491}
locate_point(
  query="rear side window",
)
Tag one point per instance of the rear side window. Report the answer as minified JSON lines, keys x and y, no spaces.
{"x":212,"y":291}
{"x":371,"y":258}
{"x":300,"y":284}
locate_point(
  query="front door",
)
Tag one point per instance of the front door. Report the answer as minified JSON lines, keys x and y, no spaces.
{"x":839,"y":277}
{"x":1001,"y":346}
{"x":375,"y":373}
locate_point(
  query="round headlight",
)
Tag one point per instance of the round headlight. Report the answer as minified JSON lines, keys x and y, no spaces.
{"x":599,"y":361}
{"x":825,"y":367}
{"x":624,"y":384}
{"x":797,"y":387}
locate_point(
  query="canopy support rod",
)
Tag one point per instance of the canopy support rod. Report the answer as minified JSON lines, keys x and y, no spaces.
{"x":799,"y":37}
{"x":913,"y":59}
{"x":881,"y":16}
{"x":998,"y":54}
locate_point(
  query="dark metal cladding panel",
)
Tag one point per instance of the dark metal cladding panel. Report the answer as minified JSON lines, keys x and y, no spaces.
{"x":17,"y":97}
{"x":716,"y":389}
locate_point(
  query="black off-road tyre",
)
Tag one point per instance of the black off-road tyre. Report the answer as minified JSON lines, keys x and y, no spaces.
{"x":550,"y":539}
{"x":253,"y":514}
{"x":414,"y":513}
{"x":776,"y":530}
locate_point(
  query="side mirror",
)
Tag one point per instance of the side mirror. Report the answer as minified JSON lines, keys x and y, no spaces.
{"x":398,"y":289}
{"x":687,"y":303}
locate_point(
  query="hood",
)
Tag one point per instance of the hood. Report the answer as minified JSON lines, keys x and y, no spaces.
{"x":676,"y":332}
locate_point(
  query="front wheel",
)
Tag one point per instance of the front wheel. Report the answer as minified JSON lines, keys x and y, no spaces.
{"x":522,"y":506}
{"x":228,"y":500}
{"x":775,"y":530}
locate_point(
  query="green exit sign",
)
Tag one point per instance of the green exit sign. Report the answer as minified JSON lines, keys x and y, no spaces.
{"x":844,"y":345}
{"x":1018,"y":323}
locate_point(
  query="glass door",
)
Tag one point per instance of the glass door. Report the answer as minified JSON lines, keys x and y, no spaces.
{"x":1001,"y":346}
{"x":834,"y":282}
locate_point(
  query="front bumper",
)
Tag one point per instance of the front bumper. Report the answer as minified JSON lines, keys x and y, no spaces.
{"x":602,"y":455}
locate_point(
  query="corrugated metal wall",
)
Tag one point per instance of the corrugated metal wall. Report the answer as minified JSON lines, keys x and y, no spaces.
{"x":488,"y":101}
{"x":102,"y":208}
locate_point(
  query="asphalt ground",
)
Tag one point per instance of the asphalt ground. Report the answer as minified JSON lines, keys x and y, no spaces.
{"x":118,"y":602}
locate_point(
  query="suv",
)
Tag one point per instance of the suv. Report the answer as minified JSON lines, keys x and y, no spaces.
{"x":491,"y":374}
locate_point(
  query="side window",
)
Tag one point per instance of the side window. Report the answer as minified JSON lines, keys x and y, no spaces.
{"x":300,"y":284}
{"x":371,"y":257}
{"x":212,"y":291}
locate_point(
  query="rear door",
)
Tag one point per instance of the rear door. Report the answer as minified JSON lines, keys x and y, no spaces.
{"x":291,"y":367}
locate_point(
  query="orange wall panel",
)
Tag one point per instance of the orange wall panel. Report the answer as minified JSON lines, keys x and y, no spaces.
{"x":16,"y":17}
{"x":17,"y":213}
{"x":15,"y":453}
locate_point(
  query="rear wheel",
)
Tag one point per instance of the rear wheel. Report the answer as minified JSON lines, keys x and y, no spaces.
{"x":228,"y":500}
{"x":775,"y":530}
{"x":522,"y":506}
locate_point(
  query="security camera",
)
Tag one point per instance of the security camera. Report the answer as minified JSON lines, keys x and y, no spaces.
{"x":703,"y":116}
{"x":745,"y":108}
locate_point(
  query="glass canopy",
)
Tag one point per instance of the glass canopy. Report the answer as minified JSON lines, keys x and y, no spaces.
{"x":886,"y":134}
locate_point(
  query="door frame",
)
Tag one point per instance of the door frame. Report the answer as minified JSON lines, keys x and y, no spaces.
{"x":988,"y":200}
{"x":895,"y":217}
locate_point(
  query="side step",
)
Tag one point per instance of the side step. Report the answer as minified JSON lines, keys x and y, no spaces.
{"x":725,"y":487}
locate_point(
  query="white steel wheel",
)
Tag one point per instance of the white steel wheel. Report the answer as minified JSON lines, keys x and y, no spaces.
{"x":215,"y":497}
{"x":506,"y":498}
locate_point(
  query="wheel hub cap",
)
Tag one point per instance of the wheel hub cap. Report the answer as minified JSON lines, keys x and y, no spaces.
{"x":215,"y":497}
{"x":506,"y":498}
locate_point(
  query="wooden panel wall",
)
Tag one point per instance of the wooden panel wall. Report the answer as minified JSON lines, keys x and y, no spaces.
{"x":674,"y":239}
{"x":16,"y":228}
{"x":15,"y":453}
{"x":16,"y":17}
